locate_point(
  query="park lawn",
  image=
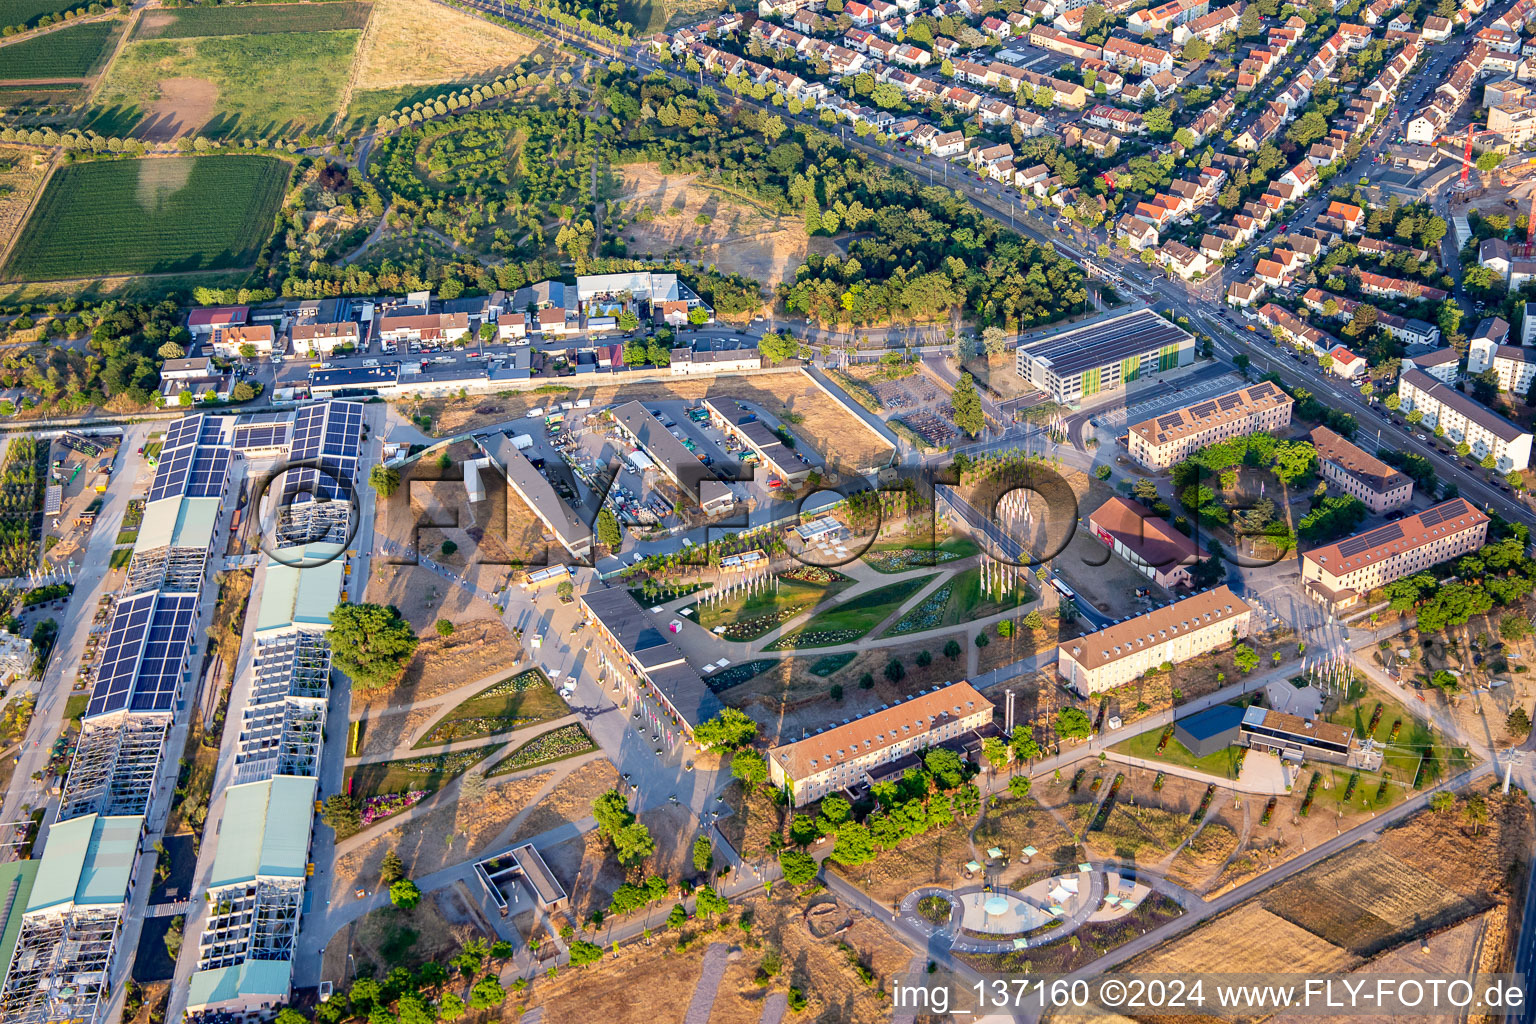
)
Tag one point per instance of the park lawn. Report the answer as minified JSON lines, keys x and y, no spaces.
{"x":168,"y":215}
{"x":72,"y":52}
{"x":1144,"y":745}
{"x":500,"y":707}
{"x":252,"y":20}
{"x":749,"y":616}
{"x":74,"y":707}
{"x":847,"y":622}
{"x":265,"y":85}
{"x":120,"y":558}
{"x":896,"y":556}
{"x":429,"y":772}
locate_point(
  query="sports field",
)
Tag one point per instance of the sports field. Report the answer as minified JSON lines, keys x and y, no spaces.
{"x":251,"y":20}
{"x":149,"y":216}
{"x":250,"y":86}
{"x":71,"y":52}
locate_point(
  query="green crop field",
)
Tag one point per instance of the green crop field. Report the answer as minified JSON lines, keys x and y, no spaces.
{"x":26,"y":12}
{"x":150,"y":216}
{"x":71,"y":52}
{"x":253,"y":19}
{"x":241,"y":86}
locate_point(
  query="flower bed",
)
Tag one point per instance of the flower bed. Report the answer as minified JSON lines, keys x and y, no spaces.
{"x":566,"y":741}
{"x":1077,"y":780}
{"x":1205,"y":805}
{"x":815,"y":638}
{"x":928,"y":615}
{"x":1306,"y":801}
{"x":446,"y":764}
{"x":1269,"y":811}
{"x":469,"y":728}
{"x":519,"y":683}
{"x":1108,"y":805}
{"x":1157,"y":783}
{"x":377,"y":808}
{"x":1381,"y":790}
{"x":735,"y":675}
{"x":908,"y":558}
{"x":1162,"y":743}
{"x":828,"y":664}
{"x":757,"y":625}
{"x":812,"y":574}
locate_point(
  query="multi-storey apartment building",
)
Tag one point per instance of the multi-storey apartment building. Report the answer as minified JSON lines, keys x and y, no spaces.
{"x":1338,"y":574}
{"x":1353,"y":471}
{"x":1177,"y":632}
{"x":1484,"y":431}
{"x":1161,"y":442}
{"x":843,"y":755}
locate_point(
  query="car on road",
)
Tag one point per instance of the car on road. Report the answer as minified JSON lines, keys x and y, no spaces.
{"x":1421,"y":437}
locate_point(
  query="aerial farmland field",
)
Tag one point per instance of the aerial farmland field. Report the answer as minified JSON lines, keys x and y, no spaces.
{"x":72,"y":52}
{"x":149,"y":216}
{"x":252,"y":19}
{"x":26,"y":12}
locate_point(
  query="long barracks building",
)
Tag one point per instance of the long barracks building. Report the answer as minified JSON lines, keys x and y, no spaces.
{"x":1338,"y":574}
{"x":843,"y":755}
{"x":1168,"y":439}
{"x":1177,"y":632}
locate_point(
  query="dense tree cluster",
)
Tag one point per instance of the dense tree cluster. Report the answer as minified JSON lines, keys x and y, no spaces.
{"x":1499,"y":574}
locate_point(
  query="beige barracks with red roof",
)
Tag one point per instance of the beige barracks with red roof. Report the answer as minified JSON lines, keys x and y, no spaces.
{"x":1337,"y":574}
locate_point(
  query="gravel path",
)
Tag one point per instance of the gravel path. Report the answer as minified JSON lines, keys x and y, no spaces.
{"x":709,"y":983}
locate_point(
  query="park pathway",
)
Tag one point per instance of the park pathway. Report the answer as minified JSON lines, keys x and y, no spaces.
{"x":709,"y":983}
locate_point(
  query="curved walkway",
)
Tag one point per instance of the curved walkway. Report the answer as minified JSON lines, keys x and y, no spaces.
{"x":950,"y":932}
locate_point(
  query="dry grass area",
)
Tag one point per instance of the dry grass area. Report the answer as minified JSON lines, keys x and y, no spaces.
{"x":1143,"y":834}
{"x":935,"y":858}
{"x":676,"y":215}
{"x":1247,"y":939}
{"x":570,"y":800}
{"x":841,"y":437}
{"x":228,"y":626}
{"x":22,"y":171}
{"x":478,"y":649}
{"x":1421,"y":876}
{"x":417,"y":42}
{"x":382,"y":732}
{"x":1455,"y":952}
{"x":655,"y":981}
{"x":435,"y":929}
{"x":1207,"y":850}
{"x":753,"y":820}
{"x":423,"y":597}
{"x":446,"y":835}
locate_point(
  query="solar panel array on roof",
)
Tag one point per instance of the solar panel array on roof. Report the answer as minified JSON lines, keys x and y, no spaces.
{"x":170,"y":630}
{"x":1229,"y":402}
{"x":1202,"y":410}
{"x":1171,"y":420}
{"x":171,"y":474}
{"x":114,"y":680}
{"x":146,"y":644}
{"x":328,"y":436}
{"x":1442,"y":513}
{"x":1352,"y":546}
{"x":251,"y":436}
{"x":209,"y":468}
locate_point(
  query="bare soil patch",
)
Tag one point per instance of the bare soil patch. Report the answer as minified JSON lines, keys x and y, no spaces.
{"x":1421,"y":876}
{"x":935,"y":858}
{"x":435,"y":929}
{"x":184,"y":106}
{"x":678,"y":215}
{"x":447,"y":835}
